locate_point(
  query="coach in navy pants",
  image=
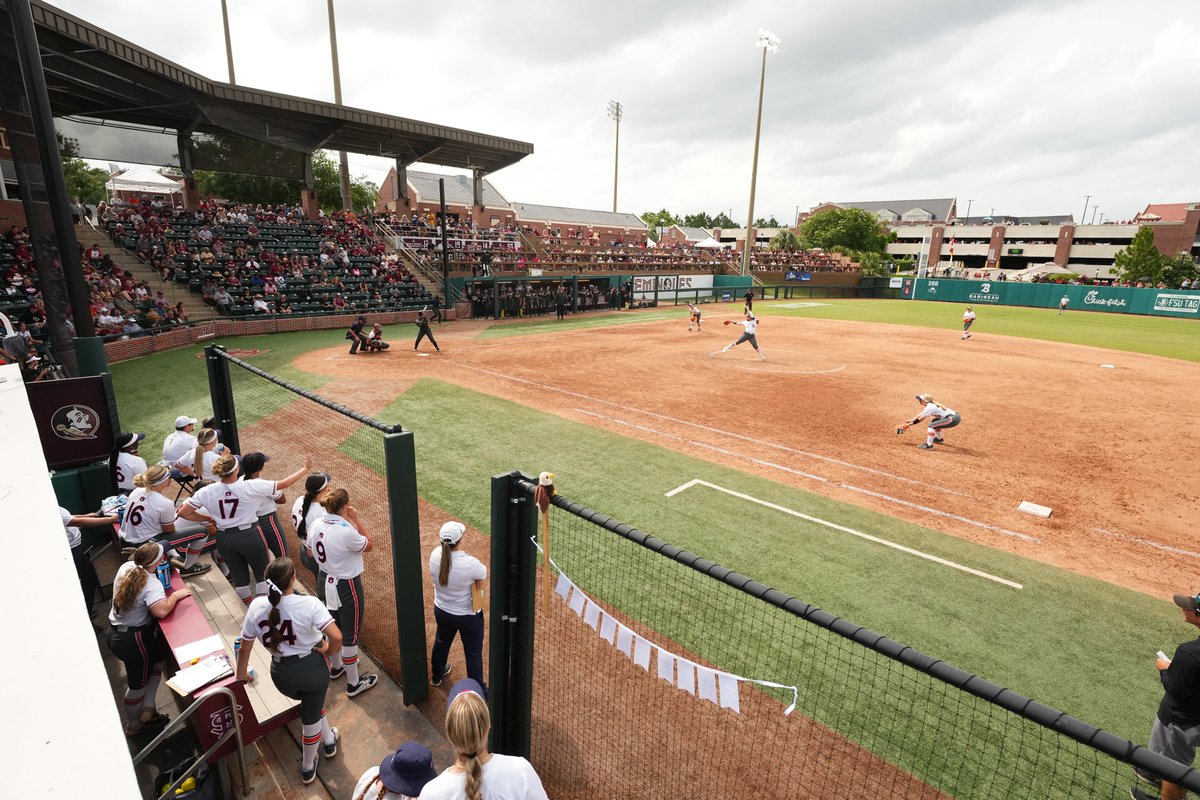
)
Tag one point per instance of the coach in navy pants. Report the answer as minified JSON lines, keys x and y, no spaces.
{"x":455,"y":576}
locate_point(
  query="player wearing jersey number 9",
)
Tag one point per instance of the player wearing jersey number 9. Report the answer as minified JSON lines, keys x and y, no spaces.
{"x":232,"y":507}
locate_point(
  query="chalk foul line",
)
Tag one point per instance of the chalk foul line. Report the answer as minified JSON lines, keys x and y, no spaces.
{"x":789,"y":470}
{"x":842,"y":528}
{"x":1157,"y":545}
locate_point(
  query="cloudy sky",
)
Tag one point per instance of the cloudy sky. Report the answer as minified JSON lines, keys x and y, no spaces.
{"x":1024,"y":108}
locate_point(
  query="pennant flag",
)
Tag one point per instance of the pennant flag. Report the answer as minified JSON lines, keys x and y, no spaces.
{"x":577,"y":601}
{"x":624,"y":639}
{"x":641,"y":653}
{"x":687,"y":676}
{"x":706,"y":684}
{"x":666,"y":666}
{"x":952,"y":247}
{"x":728,"y":686}
{"x":564,"y":586}
{"x":608,"y":627}
{"x":591,"y":615}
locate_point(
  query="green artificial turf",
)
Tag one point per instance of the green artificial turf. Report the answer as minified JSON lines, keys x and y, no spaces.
{"x":1157,"y":336}
{"x":577,"y":322}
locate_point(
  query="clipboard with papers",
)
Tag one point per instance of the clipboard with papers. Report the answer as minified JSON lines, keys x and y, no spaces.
{"x":191,"y":678}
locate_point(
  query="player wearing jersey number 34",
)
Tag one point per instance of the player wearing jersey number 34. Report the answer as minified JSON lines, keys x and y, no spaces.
{"x":300,"y":634}
{"x":232,"y":507}
{"x":338,"y":540}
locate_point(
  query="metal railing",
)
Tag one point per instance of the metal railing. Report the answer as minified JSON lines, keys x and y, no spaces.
{"x":173,"y":725}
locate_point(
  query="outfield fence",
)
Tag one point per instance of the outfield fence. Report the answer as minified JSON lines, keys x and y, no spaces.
{"x":635,"y":669}
{"x":374,"y":461}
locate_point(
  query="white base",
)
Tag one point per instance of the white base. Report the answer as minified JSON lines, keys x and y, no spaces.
{"x":1033,"y":508}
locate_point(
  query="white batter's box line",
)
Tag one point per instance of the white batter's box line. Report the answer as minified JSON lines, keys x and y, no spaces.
{"x":937,"y":512}
{"x":842,"y":528}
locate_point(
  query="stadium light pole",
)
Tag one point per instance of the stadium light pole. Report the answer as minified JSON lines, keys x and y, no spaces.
{"x":615,"y":110}
{"x":968,"y":217}
{"x":1086,"y":200}
{"x":228,"y":41}
{"x":768,"y":43}
{"x":343,"y":162}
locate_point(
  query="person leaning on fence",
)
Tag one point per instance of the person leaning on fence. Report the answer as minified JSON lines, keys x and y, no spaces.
{"x":456,"y":576}
{"x":400,"y":776}
{"x":1176,"y":729}
{"x":268,"y":517}
{"x":300,"y":634}
{"x":475,"y":770}
{"x":305,"y":511}
{"x":338,"y":540}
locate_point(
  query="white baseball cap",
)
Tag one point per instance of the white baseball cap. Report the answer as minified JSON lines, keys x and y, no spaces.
{"x":452,"y":531}
{"x":183,"y":422}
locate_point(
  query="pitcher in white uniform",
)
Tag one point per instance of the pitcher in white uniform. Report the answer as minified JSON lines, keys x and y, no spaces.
{"x":232,"y":506}
{"x":300,"y":634}
{"x":749,"y":334}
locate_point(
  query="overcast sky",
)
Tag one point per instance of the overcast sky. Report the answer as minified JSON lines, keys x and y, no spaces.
{"x":1025,"y":107}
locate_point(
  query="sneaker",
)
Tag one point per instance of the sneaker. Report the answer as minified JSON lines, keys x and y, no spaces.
{"x":337,"y":672}
{"x":437,"y":679}
{"x":307,"y":776}
{"x":939,"y":440}
{"x":194,"y":570}
{"x":365,"y":682}
{"x":923,"y":446}
{"x":724,"y":349}
{"x":330,"y":750}
{"x":1137,"y":794}
{"x":1147,"y":777}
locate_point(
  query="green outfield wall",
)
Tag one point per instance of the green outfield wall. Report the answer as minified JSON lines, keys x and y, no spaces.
{"x":1111,"y":299}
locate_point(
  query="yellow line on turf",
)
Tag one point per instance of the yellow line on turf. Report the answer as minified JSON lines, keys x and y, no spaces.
{"x":844,"y":529}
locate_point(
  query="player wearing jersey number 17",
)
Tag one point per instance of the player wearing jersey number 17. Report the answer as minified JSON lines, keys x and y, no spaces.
{"x":300,"y":634}
{"x":232,"y":506}
{"x":338,"y":540}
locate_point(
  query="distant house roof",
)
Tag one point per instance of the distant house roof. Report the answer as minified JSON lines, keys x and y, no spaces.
{"x":737,"y":234}
{"x":1165,"y":212}
{"x":1010,"y":219}
{"x":459,"y":191}
{"x":532,"y":212}
{"x":939,"y":208}
{"x":692,"y":234}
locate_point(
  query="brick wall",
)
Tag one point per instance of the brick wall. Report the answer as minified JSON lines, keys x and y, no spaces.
{"x":12,"y":212}
{"x":125,"y":349}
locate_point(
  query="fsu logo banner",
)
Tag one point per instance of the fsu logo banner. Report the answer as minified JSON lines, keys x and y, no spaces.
{"x":73,"y":420}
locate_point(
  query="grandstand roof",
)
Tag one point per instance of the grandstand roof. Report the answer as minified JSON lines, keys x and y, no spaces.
{"x":940,"y":208}
{"x":693,"y":234}
{"x":459,"y":191}
{"x":576,"y":216}
{"x":1010,"y":219}
{"x":92,"y":73}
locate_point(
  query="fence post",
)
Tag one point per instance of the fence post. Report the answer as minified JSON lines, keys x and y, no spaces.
{"x":510,"y":683}
{"x":220,"y":388}
{"x":401,"y":469}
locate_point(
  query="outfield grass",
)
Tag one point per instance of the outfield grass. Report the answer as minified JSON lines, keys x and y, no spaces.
{"x":1156,"y":336}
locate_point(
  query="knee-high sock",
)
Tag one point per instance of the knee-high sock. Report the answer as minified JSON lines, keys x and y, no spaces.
{"x":310,"y":737}
{"x":335,"y":660}
{"x":930,"y":435}
{"x":151,"y":688}
{"x":326,"y":731}
{"x":244,"y":593}
{"x":350,"y":659}
{"x":133,"y":704}
{"x":190,"y":557}
{"x":260,"y":589}
{"x":221,"y":565}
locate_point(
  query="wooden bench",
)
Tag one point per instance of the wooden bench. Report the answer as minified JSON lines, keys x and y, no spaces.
{"x":214,"y":609}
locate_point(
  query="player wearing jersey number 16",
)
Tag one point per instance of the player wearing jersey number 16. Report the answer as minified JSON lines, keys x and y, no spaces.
{"x":232,"y":507}
{"x":150,"y":516}
{"x":300,"y":634}
{"x":338,"y":540}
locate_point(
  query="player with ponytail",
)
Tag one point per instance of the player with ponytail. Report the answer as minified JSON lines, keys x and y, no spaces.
{"x":198,"y":462}
{"x":299,"y":633}
{"x":468,"y":724}
{"x":940,"y":418}
{"x":305,"y":512}
{"x":133,"y":635}
{"x":455,"y":576}
{"x":150,"y":516}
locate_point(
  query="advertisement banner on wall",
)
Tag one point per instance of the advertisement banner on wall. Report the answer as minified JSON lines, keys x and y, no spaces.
{"x":1108,"y":299}
{"x":1177,"y":303}
{"x":687,"y":287}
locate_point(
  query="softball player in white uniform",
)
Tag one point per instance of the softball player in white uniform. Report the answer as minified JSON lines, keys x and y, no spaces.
{"x":940,"y":418}
{"x":337,"y":540}
{"x":150,"y":516}
{"x":133,"y":635}
{"x":300,"y":634}
{"x":232,"y":505}
{"x":125,"y":462}
{"x":268,"y":518}
{"x":749,"y":334}
{"x":206,"y":452}
{"x":305,"y":511}
{"x":179,"y":441}
{"x":968,"y":321}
